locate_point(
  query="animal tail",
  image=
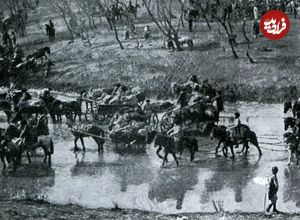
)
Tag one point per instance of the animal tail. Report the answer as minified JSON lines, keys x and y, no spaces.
{"x":51,"y":147}
{"x":253,"y":138}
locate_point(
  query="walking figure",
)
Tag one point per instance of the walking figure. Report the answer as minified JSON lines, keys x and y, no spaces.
{"x":50,"y":31}
{"x":272,"y":189}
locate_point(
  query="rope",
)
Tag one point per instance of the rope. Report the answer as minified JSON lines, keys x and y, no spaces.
{"x":89,"y":134}
{"x":277,"y":150}
{"x":269,"y":138}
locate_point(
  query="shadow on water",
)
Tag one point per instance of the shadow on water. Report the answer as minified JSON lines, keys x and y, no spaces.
{"x":136,"y":171}
{"x":173,"y":184}
{"x":94,"y":168}
{"x":235,"y":174}
{"x":31,"y":180}
{"x":291,"y":190}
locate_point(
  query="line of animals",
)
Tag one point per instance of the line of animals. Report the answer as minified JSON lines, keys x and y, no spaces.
{"x":15,"y":105}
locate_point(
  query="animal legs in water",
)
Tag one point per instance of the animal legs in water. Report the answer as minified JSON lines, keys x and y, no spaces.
{"x":192,"y":151}
{"x":217,"y":148}
{"x":82,"y":142}
{"x":232,"y":151}
{"x":225,"y":150}
{"x":165,"y":158}
{"x":75,"y":143}
{"x":247,"y":148}
{"x":158,"y":154}
{"x":175,"y":158}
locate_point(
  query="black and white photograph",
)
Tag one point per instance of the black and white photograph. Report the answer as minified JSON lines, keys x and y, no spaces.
{"x":150,"y":109}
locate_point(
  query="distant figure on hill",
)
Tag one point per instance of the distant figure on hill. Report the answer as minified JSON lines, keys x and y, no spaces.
{"x":147,"y":32}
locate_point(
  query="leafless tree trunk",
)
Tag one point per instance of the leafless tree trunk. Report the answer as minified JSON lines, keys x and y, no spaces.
{"x":248,"y":42}
{"x":164,"y":18}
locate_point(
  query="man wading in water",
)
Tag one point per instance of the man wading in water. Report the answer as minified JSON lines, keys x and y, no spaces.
{"x":272,"y":189}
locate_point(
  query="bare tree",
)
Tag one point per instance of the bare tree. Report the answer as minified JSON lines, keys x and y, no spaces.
{"x":162,"y":13}
{"x":18,"y":10}
{"x":107,"y":9}
{"x":62,"y":7}
{"x":89,"y":9}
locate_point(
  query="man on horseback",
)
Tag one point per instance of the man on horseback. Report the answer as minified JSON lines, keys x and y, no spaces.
{"x":26,"y":134}
{"x":234,"y":129}
{"x":183,"y":99}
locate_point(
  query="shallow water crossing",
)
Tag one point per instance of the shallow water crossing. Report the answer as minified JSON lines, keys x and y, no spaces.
{"x":138,"y":181}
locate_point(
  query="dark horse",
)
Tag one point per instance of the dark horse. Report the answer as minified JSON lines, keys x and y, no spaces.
{"x":29,"y":110}
{"x":295,"y":108}
{"x":55,"y":108}
{"x":289,"y":122}
{"x":221,"y":133}
{"x":40,"y":54}
{"x":81,"y":131}
{"x":168,"y":143}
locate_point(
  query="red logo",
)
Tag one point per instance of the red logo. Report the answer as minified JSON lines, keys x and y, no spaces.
{"x":275,"y":24}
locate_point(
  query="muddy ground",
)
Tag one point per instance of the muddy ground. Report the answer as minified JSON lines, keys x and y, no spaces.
{"x":38,"y":210}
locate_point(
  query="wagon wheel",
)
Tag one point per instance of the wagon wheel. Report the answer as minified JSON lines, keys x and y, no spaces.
{"x":167,"y":122}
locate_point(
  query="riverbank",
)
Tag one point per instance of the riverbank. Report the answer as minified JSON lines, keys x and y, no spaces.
{"x":273,"y":77}
{"x":23,"y":209}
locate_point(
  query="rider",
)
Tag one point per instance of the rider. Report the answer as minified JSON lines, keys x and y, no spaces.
{"x":183,"y":98}
{"x":26,"y":134}
{"x":234,"y":129}
{"x":193,"y":81}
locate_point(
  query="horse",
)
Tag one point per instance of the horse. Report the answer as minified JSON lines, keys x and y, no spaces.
{"x":7,"y":108}
{"x":72,"y":108}
{"x":289,"y":122}
{"x":169,"y":145}
{"x":29,"y":110}
{"x":40,"y":54}
{"x":9,"y":152}
{"x":246,"y":135}
{"x":220,"y":133}
{"x":291,"y":141}
{"x":162,"y":141}
{"x":55,"y":108}
{"x":45,"y":142}
{"x":81,"y":131}
{"x":294,"y":107}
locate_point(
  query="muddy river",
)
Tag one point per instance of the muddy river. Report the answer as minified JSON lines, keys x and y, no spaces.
{"x":139,"y":182}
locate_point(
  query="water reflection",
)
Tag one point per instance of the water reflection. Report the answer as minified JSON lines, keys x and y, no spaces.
{"x":291,"y":189}
{"x":173,"y":184}
{"x":133,"y":173}
{"x":234,"y":174}
{"x":31,"y":180}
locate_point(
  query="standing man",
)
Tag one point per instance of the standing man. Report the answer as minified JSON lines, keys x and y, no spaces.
{"x":272,"y":189}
